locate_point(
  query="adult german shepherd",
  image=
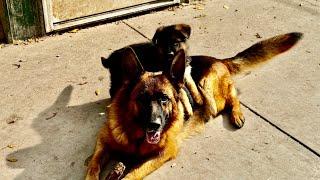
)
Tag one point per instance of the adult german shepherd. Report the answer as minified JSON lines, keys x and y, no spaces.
{"x":146,"y":117}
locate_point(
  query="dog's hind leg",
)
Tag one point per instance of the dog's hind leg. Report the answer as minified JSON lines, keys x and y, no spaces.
{"x":237,"y":118}
{"x":100,"y":155}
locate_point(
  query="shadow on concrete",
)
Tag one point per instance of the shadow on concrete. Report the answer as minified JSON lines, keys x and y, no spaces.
{"x":226,"y":122}
{"x":67,"y":135}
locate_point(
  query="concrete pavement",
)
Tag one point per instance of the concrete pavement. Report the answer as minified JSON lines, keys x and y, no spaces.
{"x":52,"y":99}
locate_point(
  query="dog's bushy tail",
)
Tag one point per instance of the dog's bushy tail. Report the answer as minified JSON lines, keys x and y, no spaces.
{"x":261,"y":52}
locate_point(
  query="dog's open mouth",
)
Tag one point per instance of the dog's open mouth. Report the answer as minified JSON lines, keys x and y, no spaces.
{"x":153,"y":137}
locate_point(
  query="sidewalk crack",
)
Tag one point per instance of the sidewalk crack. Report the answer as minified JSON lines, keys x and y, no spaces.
{"x":283,"y":131}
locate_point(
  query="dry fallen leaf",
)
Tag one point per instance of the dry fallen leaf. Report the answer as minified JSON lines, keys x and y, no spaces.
{"x":13,"y":118}
{"x":74,"y":31}
{"x":83,"y":83}
{"x":225,"y":7}
{"x":10,"y":159}
{"x":52,"y":116}
{"x":173,"y":165}
{"x":11,"y":146}
{"x":17,"y":65}
{"x":258,"y":35}
{"x":97,"y":92}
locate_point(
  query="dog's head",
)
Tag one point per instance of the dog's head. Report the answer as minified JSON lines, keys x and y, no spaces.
{"x":172,"y":38}
{"x":153,"y":98}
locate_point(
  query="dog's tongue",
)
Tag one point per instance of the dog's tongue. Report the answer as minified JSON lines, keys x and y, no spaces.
{"x":153,"y":137}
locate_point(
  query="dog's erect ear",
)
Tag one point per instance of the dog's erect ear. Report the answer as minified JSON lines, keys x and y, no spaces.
{"x":177,"y":68}
{"x":131,"y":66}
{"x":184,"y":29}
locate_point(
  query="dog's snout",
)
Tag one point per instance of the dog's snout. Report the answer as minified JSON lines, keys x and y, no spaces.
{"x":154,"y":126}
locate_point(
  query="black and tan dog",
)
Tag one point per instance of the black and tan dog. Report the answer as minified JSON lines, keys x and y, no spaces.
{"x":146,"y":116}
{"x":156,"y":56}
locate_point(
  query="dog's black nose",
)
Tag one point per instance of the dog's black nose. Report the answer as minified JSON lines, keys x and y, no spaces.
{"x":153,"y":126}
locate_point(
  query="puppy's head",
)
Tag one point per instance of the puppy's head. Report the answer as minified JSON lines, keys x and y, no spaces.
{"x":172,"y":38}
{"x":153,"y":97}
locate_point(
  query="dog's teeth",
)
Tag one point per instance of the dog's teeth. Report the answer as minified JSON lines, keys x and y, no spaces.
{"x":158,"y":120}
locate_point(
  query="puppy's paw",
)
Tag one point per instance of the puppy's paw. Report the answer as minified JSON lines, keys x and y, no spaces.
{"x":237,"y":119}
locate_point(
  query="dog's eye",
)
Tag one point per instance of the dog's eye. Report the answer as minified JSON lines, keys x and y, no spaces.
{"x":176,"y":44}
{"x":164,"y":100}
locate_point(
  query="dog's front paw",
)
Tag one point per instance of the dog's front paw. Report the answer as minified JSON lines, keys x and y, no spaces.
{"x":93,"y":173}
{"x":237,"y":119}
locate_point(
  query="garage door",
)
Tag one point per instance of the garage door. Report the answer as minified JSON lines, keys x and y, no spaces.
{"x":61,"y":14}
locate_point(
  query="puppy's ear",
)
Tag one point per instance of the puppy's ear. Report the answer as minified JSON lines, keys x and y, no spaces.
{"x":131,"y":66}
{"x":105,"y":62}
{"x":184,"y":29}
{"x":157,"y":34}
{"x":177,"y":68}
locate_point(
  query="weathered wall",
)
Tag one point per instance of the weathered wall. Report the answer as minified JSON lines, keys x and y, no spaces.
{"x":21,"y":19}
{"x":1,"y":33}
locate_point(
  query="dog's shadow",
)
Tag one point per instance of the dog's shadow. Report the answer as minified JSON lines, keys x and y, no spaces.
{"x":67,"y":136}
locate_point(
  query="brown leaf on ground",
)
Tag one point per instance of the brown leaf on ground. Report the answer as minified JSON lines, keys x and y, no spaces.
{"x":11,"y":159}
{"x":17,"y":65}
{"x":13,"y":118}
{"x":10,"y":146}
{"x":83,"y":83}
{"x":52,"y":116}
{"x":258,"y":35}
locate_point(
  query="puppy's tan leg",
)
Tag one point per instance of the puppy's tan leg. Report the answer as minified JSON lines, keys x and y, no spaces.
{"x":209,"y":102}
{"x":147,"y":167}
{"x":100,"y":153}
{"x":186,"y":103}
{"x":192,"y":87}
{"x":237,"y":118}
